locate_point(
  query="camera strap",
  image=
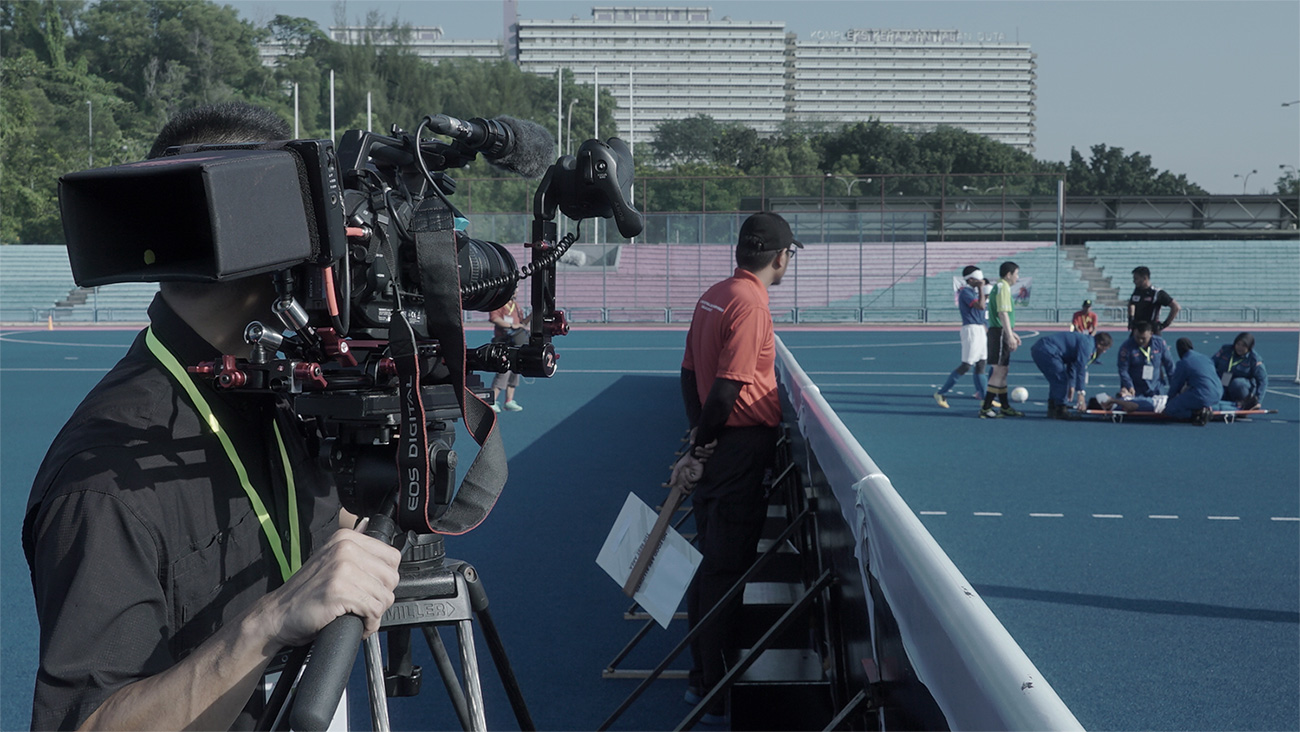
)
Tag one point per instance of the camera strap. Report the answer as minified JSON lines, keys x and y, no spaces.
{"x":433,"y":231}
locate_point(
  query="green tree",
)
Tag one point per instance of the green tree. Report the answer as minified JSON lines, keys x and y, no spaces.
{"x":45,"y":131}
{"x":166,"y":55}
{"x":879,"y":148}
{"x":1108,"y":172}
{"x":1288,"y":184}
{"x":690,"y":140}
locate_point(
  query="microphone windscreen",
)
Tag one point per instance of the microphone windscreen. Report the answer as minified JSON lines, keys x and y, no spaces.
{"x":533,"y":151}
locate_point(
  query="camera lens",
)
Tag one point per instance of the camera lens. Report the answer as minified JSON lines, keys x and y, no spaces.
{"x":486,"y":274}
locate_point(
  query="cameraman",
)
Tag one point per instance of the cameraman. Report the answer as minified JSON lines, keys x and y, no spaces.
{"x":180,"y":536}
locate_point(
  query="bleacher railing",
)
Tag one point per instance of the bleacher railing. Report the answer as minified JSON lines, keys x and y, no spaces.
{"x":975,"y":671}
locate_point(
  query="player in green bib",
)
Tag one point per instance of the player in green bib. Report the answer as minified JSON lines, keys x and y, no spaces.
{"x":1002,"y":341}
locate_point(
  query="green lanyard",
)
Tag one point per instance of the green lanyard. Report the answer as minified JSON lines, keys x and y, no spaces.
{"x":1232,"y":363}
{"x":294,"y":561}
{"x":1146,"y":352}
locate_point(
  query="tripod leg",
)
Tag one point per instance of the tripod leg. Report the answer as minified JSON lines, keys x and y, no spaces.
{"x":443,"y":661}
{"x":469,"y":666}
{"x":375,"y":680}
{"x":479,"y":601}
{"x":505,"y":671}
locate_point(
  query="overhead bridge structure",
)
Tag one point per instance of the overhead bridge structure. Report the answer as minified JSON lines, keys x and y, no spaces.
{"x":1009,"y":217}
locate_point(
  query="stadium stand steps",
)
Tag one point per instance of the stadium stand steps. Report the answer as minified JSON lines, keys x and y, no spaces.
{"x":76,"y":296}
{"x":1104,"y":293}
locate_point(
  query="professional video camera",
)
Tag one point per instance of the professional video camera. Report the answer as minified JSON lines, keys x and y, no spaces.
{"x":372,"y":270}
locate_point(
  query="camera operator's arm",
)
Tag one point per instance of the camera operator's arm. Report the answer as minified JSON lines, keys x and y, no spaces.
{"x":352,"y":573}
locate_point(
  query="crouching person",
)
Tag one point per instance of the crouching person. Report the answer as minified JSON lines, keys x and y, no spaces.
{"x":1064,"y":358}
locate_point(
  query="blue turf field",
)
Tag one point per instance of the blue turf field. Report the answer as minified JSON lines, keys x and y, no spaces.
{"x":1149,"y":570}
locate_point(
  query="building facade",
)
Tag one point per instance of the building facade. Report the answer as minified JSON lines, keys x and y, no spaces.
{"x":425,"y":41}
{"x":919,"y":80}
{"x":667,"y":63}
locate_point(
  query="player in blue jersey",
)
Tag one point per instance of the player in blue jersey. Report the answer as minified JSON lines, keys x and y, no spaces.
{"x":972,"y":301}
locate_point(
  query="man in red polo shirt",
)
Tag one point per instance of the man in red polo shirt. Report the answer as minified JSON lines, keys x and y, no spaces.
{"x":729,"y":389}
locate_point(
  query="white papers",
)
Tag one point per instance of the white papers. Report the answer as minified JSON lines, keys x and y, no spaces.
{"x":665,"y":581}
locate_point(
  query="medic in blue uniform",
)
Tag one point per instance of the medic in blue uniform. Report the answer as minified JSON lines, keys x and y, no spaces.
{"x":1195,"y":386}
{"x":1144,"y":363}
{"x":1063,"y":358}
{"x":1241,"y":372}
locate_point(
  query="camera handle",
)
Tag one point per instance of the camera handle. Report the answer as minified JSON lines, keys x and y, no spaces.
{"x":333,"y":653}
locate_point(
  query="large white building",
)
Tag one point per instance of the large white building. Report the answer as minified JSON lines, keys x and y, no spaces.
{"x":426,"y":41}
{"x":918,"y":80}
{"x":667,"y":63}
{"x":664,"y":63}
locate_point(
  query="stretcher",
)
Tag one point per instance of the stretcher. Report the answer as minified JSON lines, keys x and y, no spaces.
{"x":1118,"y":415}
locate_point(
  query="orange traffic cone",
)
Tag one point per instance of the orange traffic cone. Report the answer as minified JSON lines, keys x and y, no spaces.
{"x":49,"y":324}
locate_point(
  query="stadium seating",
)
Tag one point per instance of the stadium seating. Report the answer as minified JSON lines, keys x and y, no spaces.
{"x":32,"y":280}
{"x":36,"y":284}
{"x":824,"y":276}
{"x":903,"y":281}
{"x":1212,"y":280}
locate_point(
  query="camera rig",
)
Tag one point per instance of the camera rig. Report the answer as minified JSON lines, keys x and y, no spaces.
{"x":372,"y":270}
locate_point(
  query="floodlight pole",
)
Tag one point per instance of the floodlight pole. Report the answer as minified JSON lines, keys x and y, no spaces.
{"x":1060,"y":220}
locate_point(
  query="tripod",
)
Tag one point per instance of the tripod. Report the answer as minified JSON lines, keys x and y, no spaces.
{"x":433,"y":591}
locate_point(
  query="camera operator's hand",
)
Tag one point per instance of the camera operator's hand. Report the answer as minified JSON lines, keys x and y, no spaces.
{"x":353,"y":573}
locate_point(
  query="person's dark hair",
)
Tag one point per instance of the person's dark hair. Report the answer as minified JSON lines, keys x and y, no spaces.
{"x":751,"y":258}
{"x":1007,"y":268}
{"x":1183,"y":345}
{"x":229,"y":122}
{"x":1142,"y":271}
{"x":1246,"y":338}
{"x":968,"y":270}
{"x":1103,"y":340}
{"x":1143,"y":326}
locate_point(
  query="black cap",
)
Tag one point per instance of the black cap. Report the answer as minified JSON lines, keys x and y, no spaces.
{"x":769,"y":231}
{"x":1086,"y":303}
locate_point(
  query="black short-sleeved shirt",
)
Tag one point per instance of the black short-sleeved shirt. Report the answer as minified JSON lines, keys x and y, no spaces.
{"x":140,"y":538}
{"x":1146,"y":302}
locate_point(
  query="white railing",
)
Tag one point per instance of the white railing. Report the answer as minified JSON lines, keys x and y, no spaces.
{"x":974,"y":669}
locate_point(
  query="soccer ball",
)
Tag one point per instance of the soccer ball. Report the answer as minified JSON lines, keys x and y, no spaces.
{"x":1019,"y":394}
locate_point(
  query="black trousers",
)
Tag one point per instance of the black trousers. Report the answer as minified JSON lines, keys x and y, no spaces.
{"x":730,"y":508}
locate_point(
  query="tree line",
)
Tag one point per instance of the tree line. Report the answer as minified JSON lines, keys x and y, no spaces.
{"x":88,"y":85}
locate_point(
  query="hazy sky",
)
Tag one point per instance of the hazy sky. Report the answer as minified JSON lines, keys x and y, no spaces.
{"x":1196,"y":84}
